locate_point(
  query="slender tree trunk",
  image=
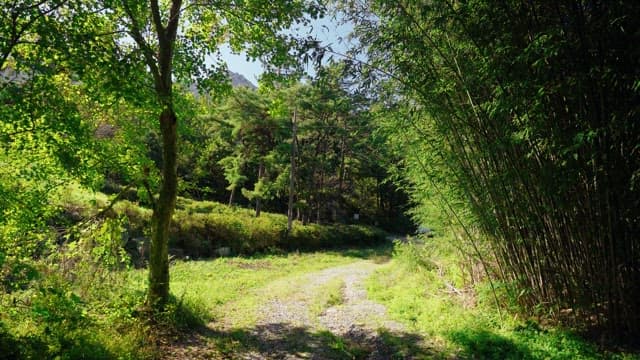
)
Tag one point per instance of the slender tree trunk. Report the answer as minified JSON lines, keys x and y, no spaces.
{"x":341,"y":175}
{"x":292,"y":175}
{"x":160,"y":65}
{"x":320,"y":197}
{"x":161,"y":220}
{"x":258,"y":197}
{"x":233,"y":192}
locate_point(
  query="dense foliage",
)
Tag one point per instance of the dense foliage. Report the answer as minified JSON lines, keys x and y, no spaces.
{"x":514,"y":123}
{"x":339,"y":164}
{"x":529,"y":111}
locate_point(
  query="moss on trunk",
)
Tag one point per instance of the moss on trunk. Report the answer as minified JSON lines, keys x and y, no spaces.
{"x":158,"y":258}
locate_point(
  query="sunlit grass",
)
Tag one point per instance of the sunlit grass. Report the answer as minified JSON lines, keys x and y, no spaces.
{"x":226,"y":288}
{"x":328,"y":295}
{"x":416,"y":288}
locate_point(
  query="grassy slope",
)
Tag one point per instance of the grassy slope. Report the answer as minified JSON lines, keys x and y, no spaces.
{"x":199,"y":228}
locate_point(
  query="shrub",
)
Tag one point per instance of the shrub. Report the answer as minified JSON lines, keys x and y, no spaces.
{"x":200,"y":234}
{"x":313,"y":236}
{"x":199,"y":228}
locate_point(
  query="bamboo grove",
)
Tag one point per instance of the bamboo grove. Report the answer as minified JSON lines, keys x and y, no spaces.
{"x":536,"y":107}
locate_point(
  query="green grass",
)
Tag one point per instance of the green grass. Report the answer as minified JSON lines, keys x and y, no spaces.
{"x":231,"y":290}
{"x":226,"y":288}
{"x":328,"y":295}
{"x":416,"y":286}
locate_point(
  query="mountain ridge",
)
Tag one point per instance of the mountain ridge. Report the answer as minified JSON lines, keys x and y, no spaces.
{"x":238,"y":80}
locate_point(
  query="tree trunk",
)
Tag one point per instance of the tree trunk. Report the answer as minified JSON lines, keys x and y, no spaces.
{"x":158,"y":254}
{"x":320,"y":197}
{"x":233,"y":191}
{"x":160,"y":65}
{"x":259,"y":196}
{"x":292,"y":175}
{"x":341,"y":175}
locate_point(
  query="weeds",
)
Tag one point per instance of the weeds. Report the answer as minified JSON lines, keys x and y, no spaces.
{"x":329,"y":295}
{"x":415,"y":287}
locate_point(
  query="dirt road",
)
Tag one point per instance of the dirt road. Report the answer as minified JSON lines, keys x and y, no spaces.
{"x":320,"y":315}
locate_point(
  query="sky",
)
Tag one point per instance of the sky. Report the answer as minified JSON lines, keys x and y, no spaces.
{"x":327,"y":30}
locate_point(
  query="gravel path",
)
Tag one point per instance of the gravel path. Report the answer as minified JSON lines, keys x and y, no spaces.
{"x":297,"y":324}
{"x":287,"y":328}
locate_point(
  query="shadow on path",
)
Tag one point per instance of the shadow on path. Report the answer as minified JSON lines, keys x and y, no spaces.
{"x":283,"y":341}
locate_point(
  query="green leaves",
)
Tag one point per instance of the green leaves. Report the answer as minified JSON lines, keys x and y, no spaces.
{"x":526,"y":103}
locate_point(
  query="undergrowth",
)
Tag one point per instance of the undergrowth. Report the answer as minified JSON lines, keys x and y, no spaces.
{"x":75,"y":303}
{"x":425,"y":288}
{"x":202,"y":229}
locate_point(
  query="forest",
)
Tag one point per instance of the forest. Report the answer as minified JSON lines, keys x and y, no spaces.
{"x":453,"y":179}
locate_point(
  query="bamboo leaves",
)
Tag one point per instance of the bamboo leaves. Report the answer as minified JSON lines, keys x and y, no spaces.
{"x":517,"y":92}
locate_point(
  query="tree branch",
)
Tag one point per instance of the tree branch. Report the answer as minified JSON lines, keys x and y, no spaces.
{"x":174,"y":20}
{"x":157,"y":19}
{"x":18,"y":31}
{"x":136,"y":33}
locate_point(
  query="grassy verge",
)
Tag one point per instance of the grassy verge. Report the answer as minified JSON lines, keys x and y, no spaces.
{"x":423,"y":288}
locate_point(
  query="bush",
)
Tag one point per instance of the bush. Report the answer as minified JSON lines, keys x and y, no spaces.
{"x":313,"y":236}
{"x":74,"y":302}
{"x":201,"y":228}
{"x":50,"y":321}
{"x":199,"y":235}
